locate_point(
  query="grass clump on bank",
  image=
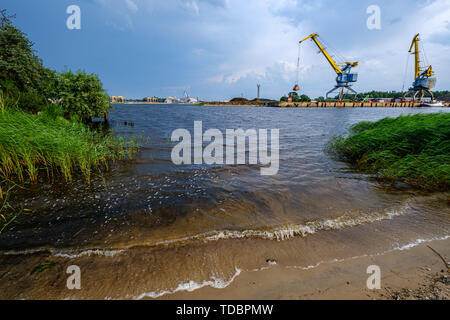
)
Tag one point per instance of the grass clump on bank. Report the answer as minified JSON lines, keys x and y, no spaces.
{"x":413,"y":148}
{"x":30,"y":144}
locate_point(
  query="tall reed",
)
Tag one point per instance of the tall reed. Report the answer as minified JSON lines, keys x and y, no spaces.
{"x":32,"y":144}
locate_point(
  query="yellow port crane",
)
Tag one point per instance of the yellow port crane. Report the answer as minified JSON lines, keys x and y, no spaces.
{"x":423,"y":77}
{"x":344,"y":75}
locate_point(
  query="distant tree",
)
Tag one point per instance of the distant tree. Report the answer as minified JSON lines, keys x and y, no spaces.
{"x":387,"y":94}
{"x":320,"y":99}
{"x":438,"y":94}
{"x":304,"y":98}
{"x":294,"y":96}
{"x":284,"y":98}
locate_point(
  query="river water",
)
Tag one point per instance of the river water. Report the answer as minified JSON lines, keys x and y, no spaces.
{"x":148,"y":228}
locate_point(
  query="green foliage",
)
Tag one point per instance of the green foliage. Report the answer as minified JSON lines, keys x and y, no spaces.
{"x":30,"y":144}
{"x":28,"y":99}
{"x":18,"y":61}
{"x":413,"y":148}
{"x":24,"y":79}
{"x":296,"y":98}
{"x":7,"y":101}
{"x":41,"y":268}
{"x":304,"y":98}
{"x":53,"y":111}
{"x":81,"y":94}
{"x":388,"y":94}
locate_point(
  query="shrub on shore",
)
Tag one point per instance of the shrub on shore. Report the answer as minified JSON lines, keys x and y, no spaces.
{"x":414,"y":149}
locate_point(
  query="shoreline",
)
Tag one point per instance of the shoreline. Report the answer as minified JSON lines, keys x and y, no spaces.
{"x":312,"y":104}
{"x":315,"y":104}
{"x":412,"y":273}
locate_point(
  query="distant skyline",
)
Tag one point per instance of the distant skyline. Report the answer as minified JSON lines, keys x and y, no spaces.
{"x":220,"y":49}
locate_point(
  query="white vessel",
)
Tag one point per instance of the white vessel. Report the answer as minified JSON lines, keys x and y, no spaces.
{"x":185,"y":100}
{"x":188,"y":99}
{"x":432,"y":104}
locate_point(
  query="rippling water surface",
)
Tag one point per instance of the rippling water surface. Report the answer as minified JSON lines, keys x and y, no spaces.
{"x":182,"y":227}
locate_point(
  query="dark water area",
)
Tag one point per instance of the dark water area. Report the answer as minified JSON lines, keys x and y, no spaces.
{"x":223,"y":217}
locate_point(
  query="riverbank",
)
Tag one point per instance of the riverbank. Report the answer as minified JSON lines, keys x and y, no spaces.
{"x":408,"y":273}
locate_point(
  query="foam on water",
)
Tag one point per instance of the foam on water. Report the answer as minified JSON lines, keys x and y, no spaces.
{"x":98,"y":252}
{"x":278,"y":234}
{"x":190,"y":286}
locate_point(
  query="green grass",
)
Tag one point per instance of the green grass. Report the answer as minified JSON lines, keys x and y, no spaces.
{"x":41,"y":268}
{"x":8,"y":214}
{"x":414,"y":149}
{"x":34,"y":144}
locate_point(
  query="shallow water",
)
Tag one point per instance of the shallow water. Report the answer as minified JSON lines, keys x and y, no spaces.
{"x":152,"y":228}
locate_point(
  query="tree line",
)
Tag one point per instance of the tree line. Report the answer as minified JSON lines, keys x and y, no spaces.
{"x":371,"y":94}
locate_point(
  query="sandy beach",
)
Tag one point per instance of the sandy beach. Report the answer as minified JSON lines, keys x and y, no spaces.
{"x":415,"y":273}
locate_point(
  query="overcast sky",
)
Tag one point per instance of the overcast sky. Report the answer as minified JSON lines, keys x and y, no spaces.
{"x":220,"y":49}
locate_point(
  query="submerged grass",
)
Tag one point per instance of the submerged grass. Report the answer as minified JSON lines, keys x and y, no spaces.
{"x":31,"y":144}
{"x":413,"y":148}
{"x":7,"y":213}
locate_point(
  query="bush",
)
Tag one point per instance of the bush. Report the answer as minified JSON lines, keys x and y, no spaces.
{"x":414,"y":149}
{"x":82,"y":95}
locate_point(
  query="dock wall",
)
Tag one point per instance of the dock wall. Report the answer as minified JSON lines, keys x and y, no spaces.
{"x":323,"y":104}
{"x":348,"y":105}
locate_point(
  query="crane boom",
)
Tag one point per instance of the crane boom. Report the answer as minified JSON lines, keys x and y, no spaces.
{"x":325,"y":53}
{"x":415,"y":44}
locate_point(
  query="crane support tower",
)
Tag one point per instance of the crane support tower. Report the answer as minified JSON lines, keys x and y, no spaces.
{"x":423,"y":77}
{"x":345,"y":77}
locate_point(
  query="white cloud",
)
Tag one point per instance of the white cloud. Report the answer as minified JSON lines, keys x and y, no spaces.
{"x":233,"y":44}
{"x":190,"y":5}
{"x":131,"y":5}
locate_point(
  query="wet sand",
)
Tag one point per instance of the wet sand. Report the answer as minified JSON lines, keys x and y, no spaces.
{"x":416,"y":273}
{"x":413,"y":272}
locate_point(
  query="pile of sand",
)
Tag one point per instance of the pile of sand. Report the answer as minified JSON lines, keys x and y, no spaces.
{"x":239,"y":100}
